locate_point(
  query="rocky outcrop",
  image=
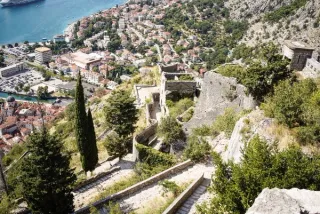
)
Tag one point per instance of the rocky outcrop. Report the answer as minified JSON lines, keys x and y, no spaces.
{"x":217,"y":94}
{"x":293,"y":201}
{"x":246,"y":127}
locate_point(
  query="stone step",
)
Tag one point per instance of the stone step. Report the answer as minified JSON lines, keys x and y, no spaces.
{"x":185,"y":208}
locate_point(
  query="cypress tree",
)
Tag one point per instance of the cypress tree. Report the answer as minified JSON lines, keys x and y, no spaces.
{"x":81,"y":123}
{"x":46,"y":177}
{"x":91,"y":150}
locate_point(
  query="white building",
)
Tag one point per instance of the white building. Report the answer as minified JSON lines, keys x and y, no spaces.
{"x":59,"y":38}
{"x":82,"y":60}
{"x":92,"y":77}
{"x":43,"y":55}
{"x":12,"y":69}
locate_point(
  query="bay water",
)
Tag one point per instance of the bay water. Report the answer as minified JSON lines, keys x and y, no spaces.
{"x":46,"y":18}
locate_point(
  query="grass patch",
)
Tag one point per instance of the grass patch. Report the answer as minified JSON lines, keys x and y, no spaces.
{"x":223,"y":123}
{"x":118,"y":186}
{"x":177,"y":108}
{"x":187,"y":116}
{"x":159,"y":204}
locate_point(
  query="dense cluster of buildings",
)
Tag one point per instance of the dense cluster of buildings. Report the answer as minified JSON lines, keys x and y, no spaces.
{"x":18,"y":120}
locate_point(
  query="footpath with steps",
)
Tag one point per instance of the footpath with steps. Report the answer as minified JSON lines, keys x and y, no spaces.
{"x":187,"y":206}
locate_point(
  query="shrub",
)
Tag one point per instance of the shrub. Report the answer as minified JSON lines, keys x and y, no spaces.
{"x":202,"y":131}
{"x":170,"y":130}
{"x":188,"y":115}
{"x":170,"y":186}
{"x":226,"y":122}
{"x":179,"y":107}
{"x":153,"y":157}
{"x":197,"y":149}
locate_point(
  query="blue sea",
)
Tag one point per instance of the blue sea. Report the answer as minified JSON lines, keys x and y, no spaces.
{"x":45,"y":19}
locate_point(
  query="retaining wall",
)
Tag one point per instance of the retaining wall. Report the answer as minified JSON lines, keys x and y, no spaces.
{"x":178,"y":202}
{"x":137,"y":187}
{"x":146,"y":137}
{"x":95,"y":178}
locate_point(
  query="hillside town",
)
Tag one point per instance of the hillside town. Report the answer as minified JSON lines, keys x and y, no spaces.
{"x":162,"y":106}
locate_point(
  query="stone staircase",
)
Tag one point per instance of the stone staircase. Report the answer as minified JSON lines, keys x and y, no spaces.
{"x":186,"y":207}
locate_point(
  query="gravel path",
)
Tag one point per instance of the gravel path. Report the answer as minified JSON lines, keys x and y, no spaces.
{"x":143,"y":198}
{"x":86,"y":194}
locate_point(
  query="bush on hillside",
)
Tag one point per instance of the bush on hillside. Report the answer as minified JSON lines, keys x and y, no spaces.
{"x":236,"y":186}
{"x":297,"y":105}
{"x":197,"y":149}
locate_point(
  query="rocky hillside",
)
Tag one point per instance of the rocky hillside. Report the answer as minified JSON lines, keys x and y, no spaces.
{"x":277,"y":20}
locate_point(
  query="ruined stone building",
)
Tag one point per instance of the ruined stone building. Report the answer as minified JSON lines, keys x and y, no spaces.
{"x":298,"y":52}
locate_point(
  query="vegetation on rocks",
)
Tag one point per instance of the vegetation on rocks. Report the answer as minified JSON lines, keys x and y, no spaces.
{"x":297,"y":106}
{"x":223,"y":123}
{"x":285,"y":11}
{"x":197,"y":149}
{"x":236,"y":186}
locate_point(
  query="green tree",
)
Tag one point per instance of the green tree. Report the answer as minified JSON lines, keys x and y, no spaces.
{"x":121,"y":113}
{"x":42,"y":92}
{"x":117,"y":145}
{"x":26,"y":88}
{"x":91,"y":150}
{"x":170,"y":130}
{"x":46,"y":177}
{"x":81,"y":123}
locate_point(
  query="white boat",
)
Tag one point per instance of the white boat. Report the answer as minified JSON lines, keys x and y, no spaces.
{"x":8,"y":3}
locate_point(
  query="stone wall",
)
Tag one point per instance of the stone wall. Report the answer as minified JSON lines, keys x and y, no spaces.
{"x":146,"y":137}
{"x":169,"y":68}
{"x":299,"y":59}
{"x":95,"y":178}
{"x":137,"y":187}
{"x":217,"y":94}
